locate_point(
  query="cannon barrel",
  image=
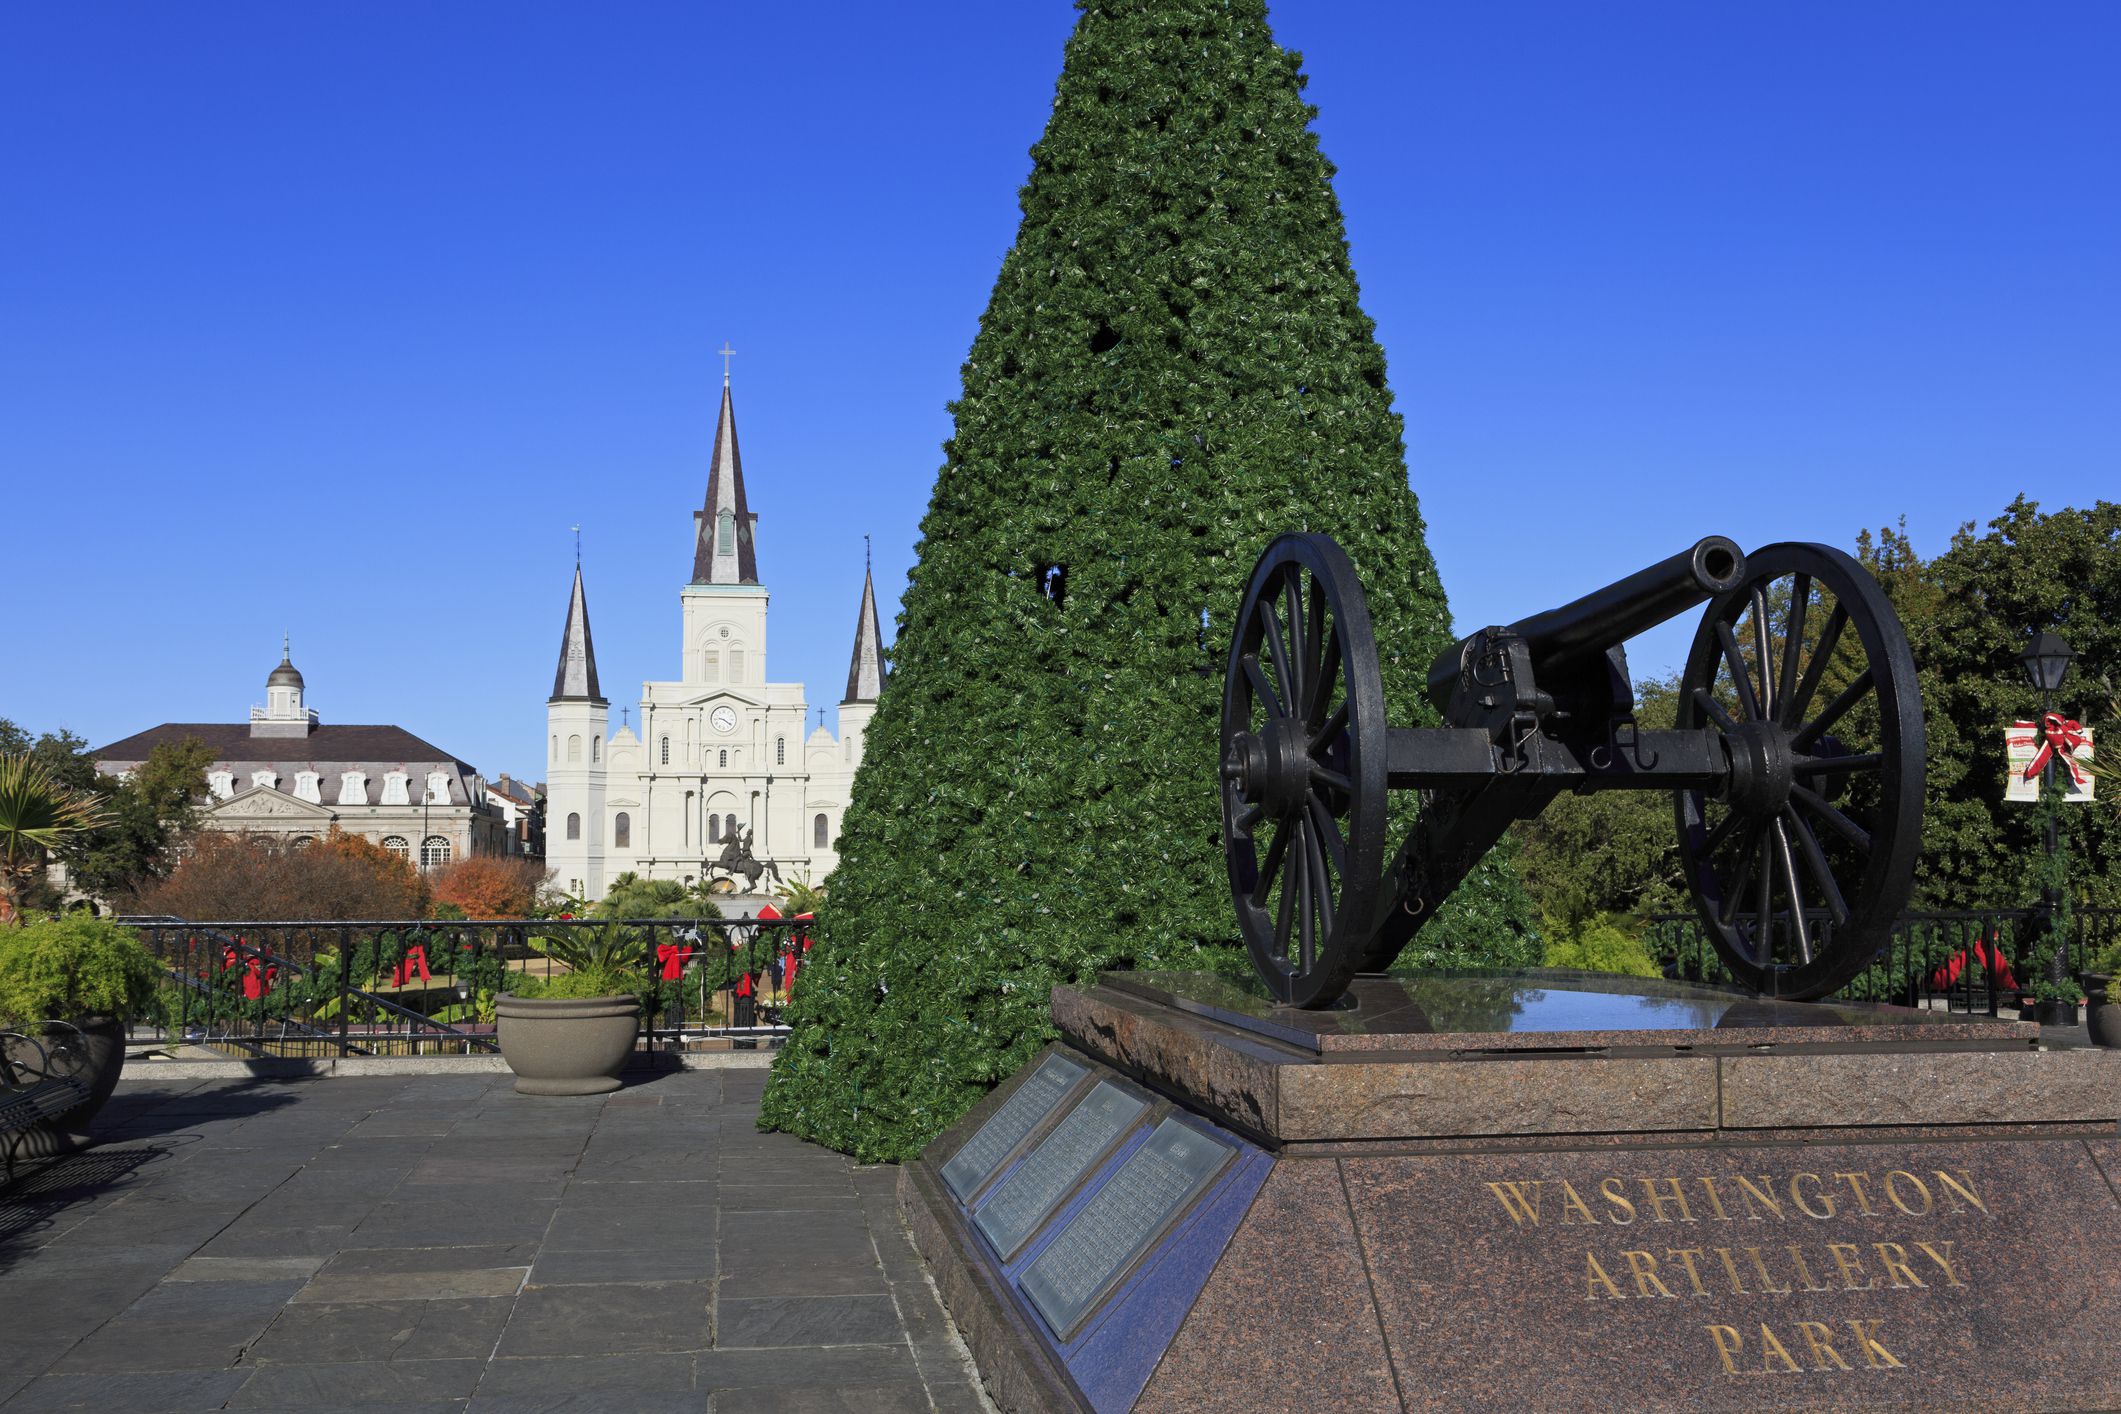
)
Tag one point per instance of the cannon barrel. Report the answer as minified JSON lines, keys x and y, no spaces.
{"x":1586,"y":627}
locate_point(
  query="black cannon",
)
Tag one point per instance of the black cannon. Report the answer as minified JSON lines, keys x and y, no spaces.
{"x":1795,"y":766}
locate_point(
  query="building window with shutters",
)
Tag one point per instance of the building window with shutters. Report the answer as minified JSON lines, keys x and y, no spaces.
{"x":574,"y":748}
{"x":574,"y":825}
{"x":729,"y":825}
{"x":622,"y":830}
{"x":780,"y":751}
{"x":666,"y":751}
{"x":710,"y":666}
{"x":596,"y":748}
{"x":725,"y":532}
{"x":714,"y":829}
{"x":434,"y":852}
{"x":725,"y":758}
{"x":820,"y":833}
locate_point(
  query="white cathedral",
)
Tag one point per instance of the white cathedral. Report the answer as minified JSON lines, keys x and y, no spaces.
{"x":721,"y":750}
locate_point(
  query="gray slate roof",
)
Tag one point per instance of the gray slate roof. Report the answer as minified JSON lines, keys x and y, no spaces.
{"x":328,"y":750}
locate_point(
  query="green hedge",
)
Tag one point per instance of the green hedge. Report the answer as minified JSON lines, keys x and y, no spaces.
{"x":1173,"y":369}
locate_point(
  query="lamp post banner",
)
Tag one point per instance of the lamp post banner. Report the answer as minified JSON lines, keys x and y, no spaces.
{"x":2030,"y":746}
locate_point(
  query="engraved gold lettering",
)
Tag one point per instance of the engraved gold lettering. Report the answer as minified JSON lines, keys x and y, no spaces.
{"x":1815,"y":1336}
{"x":1767,"y":1285}
{"x":1611,"y":1189}
{"x":1752,"y":1193}
{"x":1963,"y":1190}
{"x":1894,"y":1258}
{"x":1892,"y":1193}
{"x":1731,"y":1267}
{"x":1867,"y":1332}
{"x":1686,"y":1256}
{"x":1727,"y":1345}
{"x":1523,"y":1211}
{"x":1571,"y":1203}
{"x":1594,"y":1277}
{"x":1657,"y":1200}
{"x":1804,"y":1273}
{"x":1771,"y":1349}
{"x":1823,"y":1196}
{"x":1943,"y":1260}
{"x":1853,"y":1277}
{"x":1644,"y":1266}
{"x":1708,"y":1186}
{"x":1855,"y":1182}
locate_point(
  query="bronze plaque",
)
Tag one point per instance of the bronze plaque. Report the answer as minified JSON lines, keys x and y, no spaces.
{"x":992,"y":1143}
{"x":1021,"y":1202}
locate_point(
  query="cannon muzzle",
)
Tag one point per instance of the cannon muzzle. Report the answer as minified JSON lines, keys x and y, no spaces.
{"x":1587,"y":627}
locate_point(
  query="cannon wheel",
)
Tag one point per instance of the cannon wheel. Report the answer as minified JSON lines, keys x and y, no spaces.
{"x":1801,"y":864}
{"x":1303,"y":770}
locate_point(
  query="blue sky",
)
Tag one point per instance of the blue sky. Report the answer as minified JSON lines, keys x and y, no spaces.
{"x":334,"y":318}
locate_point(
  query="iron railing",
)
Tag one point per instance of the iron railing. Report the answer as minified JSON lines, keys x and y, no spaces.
{"x":426,"y":987}
{"x":1974,"y":960}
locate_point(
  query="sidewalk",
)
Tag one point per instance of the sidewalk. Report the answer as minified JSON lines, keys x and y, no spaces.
{"x":441,"y":1243}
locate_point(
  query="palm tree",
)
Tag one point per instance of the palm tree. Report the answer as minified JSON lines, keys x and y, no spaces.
{"x":800,"y":896}
{"x":36,"y":815}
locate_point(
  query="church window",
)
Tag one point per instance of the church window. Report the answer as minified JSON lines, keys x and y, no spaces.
{"x":736,"y":665}
{"x":394,"y":783}
{"x":574,"y":825}
{"x":780,"y":751}
{"x":666,"y":751}
{"x":725,"y":532}
{"x":710,"y":666}
{"x":398,"y":845}
{"x":729,"y":826}
{"x":574,"y":748}
{"x":622,"y":830}
{"x":555,"y":747}
{"x":596,"y":748}
{"x":820,"y":832}
{"x":714,"y":829}
{"x":688,"y":819}
{"x":725,"y":758}
{"x":434,"y":852}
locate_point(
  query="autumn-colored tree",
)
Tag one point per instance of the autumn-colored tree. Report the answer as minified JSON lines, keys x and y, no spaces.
{"x":483,"y":886}
{"x":264,"y":878}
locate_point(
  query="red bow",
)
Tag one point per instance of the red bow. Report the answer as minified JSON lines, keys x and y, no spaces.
{"x":258,"y":978}
{"x":673,"y":959}
{"x":1984,"y":952}
{"x":2059,"y":738}
{"x":743,"y":985}
{"x":415,"y":956}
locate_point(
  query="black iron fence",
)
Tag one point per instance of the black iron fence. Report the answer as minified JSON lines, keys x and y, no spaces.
{"x":428,"y":987}
{"x":1971,"y":960}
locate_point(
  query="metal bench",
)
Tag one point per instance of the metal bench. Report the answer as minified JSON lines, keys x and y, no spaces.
{"x":40,"y":1079}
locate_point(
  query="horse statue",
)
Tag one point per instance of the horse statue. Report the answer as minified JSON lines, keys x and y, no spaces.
{"x":736,"y":858}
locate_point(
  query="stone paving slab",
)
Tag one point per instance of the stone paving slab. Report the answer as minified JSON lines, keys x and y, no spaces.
{"x":438,"y":1242}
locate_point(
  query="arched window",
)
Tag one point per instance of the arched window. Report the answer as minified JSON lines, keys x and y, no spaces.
{"x":574,"y":826}
{"x":714,"y":829}
{"x":434,"y":852}
{"x":780,"y":751}
{"x":736,"y":665}
{"x":725,"y":532}
{"x":398,"y":845}
{"x":710,"y":666}
{"x":820,"y":833}
{"x":596,"y":748}
{"x":574,"y":748}
{"x":666,"y":751}
{"x":301,"y":841}
{"x":556,"y":746}
{"x":725,"y":758}
{"x":622,"y":831}
{"x":729,"y":825}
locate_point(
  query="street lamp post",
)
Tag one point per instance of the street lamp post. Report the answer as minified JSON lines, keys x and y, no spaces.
{"x":2046,"y":661}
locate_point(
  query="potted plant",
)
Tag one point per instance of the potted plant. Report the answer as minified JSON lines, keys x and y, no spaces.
{"x":2103,"y":1016}
{"x":88,"y":975}
{"x":571,"y":1034}
{"x":2055,"y":997}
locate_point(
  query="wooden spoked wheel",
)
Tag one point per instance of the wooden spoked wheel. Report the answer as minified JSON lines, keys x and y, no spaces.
{"x":1303,"y":770}
{"x":1800,"y":865}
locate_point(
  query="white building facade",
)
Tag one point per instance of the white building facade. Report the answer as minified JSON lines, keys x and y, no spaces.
{"x":720,"y":750}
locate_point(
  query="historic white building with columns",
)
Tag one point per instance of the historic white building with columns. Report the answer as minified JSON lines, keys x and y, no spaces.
{"x":720,"y":749}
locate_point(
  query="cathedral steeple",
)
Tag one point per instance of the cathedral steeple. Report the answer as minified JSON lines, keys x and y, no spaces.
{"x":576,"y":679}
{"x":723,"y":551}
{"x":865,"y":671}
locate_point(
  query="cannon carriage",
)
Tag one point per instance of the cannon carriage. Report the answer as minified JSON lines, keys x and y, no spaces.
{"x":1795,"y":764}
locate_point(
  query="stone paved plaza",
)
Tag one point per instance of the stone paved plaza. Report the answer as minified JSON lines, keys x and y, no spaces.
{"x":433,"y":1242}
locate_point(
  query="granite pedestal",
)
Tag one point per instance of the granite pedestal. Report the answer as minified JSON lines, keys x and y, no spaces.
{"x":1545,"y":1191}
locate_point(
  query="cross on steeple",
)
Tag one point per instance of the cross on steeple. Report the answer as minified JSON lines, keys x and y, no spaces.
{"x":727,"y":354}
{"x":578,"y":547}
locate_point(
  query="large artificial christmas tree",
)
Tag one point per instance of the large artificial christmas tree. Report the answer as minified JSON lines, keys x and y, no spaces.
{"x":1173,"y":369}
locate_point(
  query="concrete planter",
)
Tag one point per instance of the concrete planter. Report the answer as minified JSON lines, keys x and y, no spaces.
{"x":567,"y":1047}
{"x":91,"y":1049}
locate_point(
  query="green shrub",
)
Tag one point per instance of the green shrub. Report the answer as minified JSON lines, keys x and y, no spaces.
{"x":569,"y":986}
{"x":1600,"y":943}
{"x":72,"y":967}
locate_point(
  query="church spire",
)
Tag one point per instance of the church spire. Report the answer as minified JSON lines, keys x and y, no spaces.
{"x":576,"y":679}
{"x":722,"y":551}
{"x":865,"y":671}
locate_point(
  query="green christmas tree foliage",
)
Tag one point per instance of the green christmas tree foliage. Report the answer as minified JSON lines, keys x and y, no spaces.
{"x":1173,"y":369}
